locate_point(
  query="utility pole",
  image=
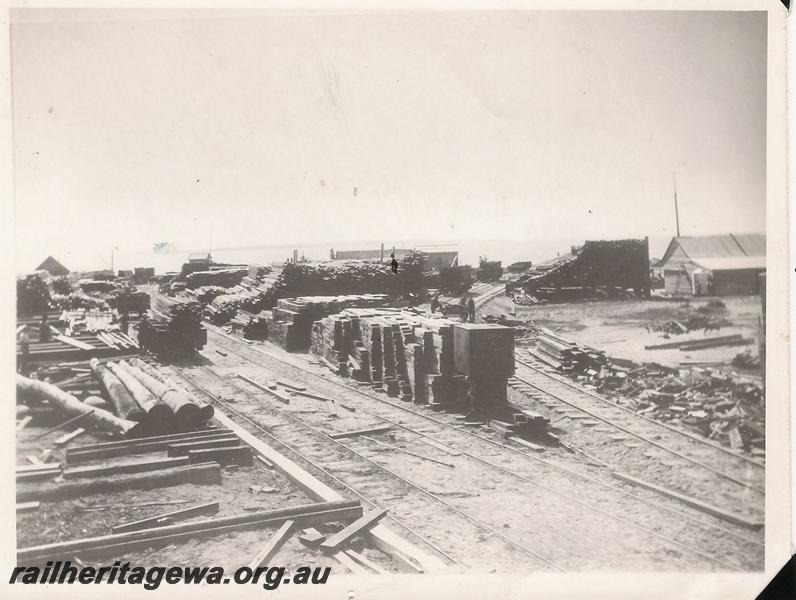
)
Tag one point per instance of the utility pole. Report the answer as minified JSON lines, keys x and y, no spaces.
{"x":676,"y":209}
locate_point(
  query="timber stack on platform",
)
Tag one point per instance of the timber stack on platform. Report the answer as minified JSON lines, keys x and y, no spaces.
{"x":292,"y":319}
{"x":432,"y":361}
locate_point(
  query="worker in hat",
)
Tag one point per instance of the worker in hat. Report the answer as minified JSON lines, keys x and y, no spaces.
{"x":44,"y":329}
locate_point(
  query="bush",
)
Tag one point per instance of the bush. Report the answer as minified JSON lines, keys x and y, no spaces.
{"x":455,"y":281}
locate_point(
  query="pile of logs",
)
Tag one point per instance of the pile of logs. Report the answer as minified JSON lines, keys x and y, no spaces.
{"x":141,"y":400}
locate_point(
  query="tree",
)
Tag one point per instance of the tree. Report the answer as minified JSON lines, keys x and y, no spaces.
{"x":489,"y":270}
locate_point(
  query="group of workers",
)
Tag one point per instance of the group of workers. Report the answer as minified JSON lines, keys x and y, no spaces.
{"x":466,"y":308}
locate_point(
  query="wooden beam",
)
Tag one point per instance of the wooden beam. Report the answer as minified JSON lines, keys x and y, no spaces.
{"x":139,"y":466}
{"x":73,"y":342}
{"x":356,"y":432}
{"x":526,"y":443}
{"x":182,"y":448}
{"x":39,"y":474}
{"x":145,"y":440}
{"x":209,"y":473}
{"x":382,"y":537}
{"x":275,"y":393}
{"x":27,"y":506}
{"x":235,"y":455}
{"x":120,"y":543}
{"x":66,"y":438}
{"x":690,"y":501}
{"x":24,"y":422}
{"x":350,"y":564}
{"x":298,"y":387}
{"x":132,"y":449}
{"x":365,"y":562}
{"x":274,"y":544}
{"x":312,"y":395}
{"x":311,"y":537}
{"x":358,"y":527}
{"x":168,"y":518}
{"x":32,"y":468}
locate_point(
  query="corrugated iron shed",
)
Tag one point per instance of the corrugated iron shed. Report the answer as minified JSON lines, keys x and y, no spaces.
{"x":731,"y":263}
{"x":686,"y":249}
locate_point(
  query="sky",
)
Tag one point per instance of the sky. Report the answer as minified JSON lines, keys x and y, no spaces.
{"x":209,"y":129}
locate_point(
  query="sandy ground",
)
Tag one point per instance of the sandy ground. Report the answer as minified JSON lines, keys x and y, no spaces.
{"x":619,"y":327}
{"x":95,"y":515}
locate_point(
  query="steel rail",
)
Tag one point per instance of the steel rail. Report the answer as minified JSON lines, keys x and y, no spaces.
{"x":480,"y":437}
{"x":687,"y":434}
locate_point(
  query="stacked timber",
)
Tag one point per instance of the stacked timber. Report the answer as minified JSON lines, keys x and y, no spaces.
{"x":292,"y":318}
{"x":225,"y":278}
{"x":567,"y":355}
{"x":178,"y":330}
{"x":414,"y":357}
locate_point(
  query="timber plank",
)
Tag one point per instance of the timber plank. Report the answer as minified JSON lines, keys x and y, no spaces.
{"x":358,"y":527}
{"x":274,"y":544}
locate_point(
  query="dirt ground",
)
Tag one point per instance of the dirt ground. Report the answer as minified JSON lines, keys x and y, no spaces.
{"x":243,"y":490}
{"x":619,"y":327}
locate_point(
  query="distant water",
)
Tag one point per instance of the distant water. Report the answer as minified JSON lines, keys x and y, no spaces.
{"x":507,"y":251}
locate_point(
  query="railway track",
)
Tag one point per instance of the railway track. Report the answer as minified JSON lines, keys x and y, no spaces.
{"x":645,"y":447}
{"x":705,"y":539}
{"x":358,"y":472}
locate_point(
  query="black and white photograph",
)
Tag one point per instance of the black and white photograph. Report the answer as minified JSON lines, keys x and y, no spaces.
{"x":316,"y":295}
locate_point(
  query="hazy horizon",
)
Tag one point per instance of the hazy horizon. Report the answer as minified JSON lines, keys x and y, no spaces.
{"x":222,"y":129}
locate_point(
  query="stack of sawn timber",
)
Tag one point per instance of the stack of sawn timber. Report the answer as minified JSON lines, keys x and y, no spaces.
{"x":398,"y":352}
{"x":566,"y":355}
{"x":179,"y":328}
{"x":292,"y":318}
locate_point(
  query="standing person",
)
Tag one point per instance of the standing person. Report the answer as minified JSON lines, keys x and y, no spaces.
{"x":471,"y":310}
{"x":24,"y":347}
{"x":44,"y":329}
{"x":434,"y":304}
{"x":124,"y":322}
{"x":463,"y":309}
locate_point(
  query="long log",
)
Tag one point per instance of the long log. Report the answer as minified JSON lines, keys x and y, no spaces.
{"x":207,"y":473}
{"x":39,"y":390}
{"x":116,"y":544}
{"x":185,"y":410}
{"x":123,"y":403}
{"x":155,"y":410}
